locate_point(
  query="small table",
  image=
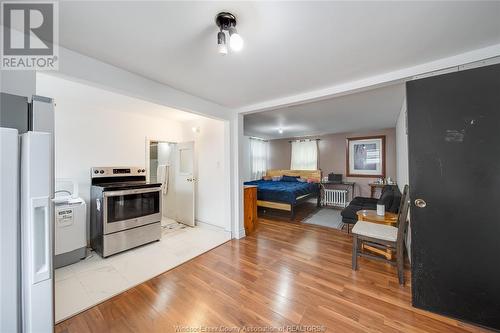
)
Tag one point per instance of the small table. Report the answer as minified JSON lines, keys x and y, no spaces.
{"x":369,"y":215}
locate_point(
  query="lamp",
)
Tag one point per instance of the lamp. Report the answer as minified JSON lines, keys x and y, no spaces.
{"x":227,"y":22}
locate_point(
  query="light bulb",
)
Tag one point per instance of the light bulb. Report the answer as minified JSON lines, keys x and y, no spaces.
{"x":235,"y":40}
{"x":280,"y":130}
{"x":222,"y":48}
{"x":221,"y":43}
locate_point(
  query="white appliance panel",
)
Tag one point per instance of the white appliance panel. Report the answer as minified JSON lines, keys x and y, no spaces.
{"x":10,"y":307}
{"x":70,"y":225}
{"x":36,"y":231}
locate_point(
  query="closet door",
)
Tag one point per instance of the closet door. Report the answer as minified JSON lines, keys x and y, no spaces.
{"x":454,"y":164}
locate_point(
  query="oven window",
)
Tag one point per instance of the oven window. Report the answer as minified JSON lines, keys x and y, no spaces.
{"x":130,"y":206}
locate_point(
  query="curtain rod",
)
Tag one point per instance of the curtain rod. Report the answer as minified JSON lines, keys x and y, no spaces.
{"x":256,"y":138}
{"x":304,"y":140}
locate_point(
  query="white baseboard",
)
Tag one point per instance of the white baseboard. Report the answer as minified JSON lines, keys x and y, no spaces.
{"x":211,"y":226}
{"x":241,"y":234}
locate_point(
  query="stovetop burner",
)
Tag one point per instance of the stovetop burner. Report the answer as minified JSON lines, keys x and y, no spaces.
{"x":115,"y":186}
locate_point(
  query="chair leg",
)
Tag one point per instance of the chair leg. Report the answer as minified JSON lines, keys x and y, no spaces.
{"x":400,"y":265}
{"x":355,"y":252}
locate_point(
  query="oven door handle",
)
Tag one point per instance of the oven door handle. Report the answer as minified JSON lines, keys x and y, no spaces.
{"x":134,"y":191}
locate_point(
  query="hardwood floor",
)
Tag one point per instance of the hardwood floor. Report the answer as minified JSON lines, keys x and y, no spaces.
{"x":283,"y":274}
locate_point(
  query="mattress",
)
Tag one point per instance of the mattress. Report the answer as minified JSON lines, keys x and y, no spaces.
{"x":279,"y":191}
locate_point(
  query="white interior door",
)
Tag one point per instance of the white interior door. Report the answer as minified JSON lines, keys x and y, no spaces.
{"x":184,"y":183}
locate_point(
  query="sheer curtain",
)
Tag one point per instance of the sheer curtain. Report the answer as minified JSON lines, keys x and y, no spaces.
{"x":258,"y":158}
{"x":304,"y":155}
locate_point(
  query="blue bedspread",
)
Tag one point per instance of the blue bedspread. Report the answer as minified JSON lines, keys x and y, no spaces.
{"x":280,"y":191}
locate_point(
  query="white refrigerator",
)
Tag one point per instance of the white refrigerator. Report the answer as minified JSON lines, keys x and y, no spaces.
{"x":26,"y":231}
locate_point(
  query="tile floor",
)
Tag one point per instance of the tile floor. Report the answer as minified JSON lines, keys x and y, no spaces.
{"x":93,"y":280}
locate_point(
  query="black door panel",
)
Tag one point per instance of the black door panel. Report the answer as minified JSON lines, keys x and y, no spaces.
{"x":454,"y":162}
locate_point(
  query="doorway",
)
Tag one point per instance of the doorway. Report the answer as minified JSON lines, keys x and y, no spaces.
{"x":162,"y":170}
{"x":172,"y":165}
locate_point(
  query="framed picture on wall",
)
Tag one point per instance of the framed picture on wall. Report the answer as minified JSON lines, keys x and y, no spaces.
{"x":365,"y":156}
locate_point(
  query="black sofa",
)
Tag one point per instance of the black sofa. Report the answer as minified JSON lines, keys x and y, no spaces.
{"x":390,"y":197}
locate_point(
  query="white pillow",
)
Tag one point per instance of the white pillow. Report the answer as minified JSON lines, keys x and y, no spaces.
{"x":276,"y":178}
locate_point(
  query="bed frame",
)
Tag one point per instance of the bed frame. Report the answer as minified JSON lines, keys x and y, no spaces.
{"x":314,"y":174}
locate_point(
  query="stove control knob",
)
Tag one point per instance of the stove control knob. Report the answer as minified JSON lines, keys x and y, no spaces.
{"x":102,"y":171}
{"x":139,"y":170}
{"x":143,"y":170}
{"x":96,"y":171}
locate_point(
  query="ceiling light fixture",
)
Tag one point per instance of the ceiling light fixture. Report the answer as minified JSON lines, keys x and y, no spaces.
{"x":227,"y":22}
{"x":280,"y":130}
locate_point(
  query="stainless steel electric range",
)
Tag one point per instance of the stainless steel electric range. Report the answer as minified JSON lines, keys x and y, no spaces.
{"x":125,"y":209}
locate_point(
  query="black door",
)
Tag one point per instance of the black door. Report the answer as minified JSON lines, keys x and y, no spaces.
{"x":454,"y":162}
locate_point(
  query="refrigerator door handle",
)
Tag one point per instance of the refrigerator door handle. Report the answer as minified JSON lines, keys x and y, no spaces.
{"x":40,"y":232}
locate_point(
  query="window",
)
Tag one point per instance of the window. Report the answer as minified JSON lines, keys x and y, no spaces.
{"x":258,"y":158}
{"x":304,"y":155}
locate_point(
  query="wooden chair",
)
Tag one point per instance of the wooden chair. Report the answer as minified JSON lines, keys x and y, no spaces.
{"x":383,"y":237}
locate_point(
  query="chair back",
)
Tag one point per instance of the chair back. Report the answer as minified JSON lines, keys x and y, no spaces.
{"x":403,"y":213}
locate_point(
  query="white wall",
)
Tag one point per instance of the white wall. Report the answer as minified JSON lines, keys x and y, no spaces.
{"x":402,"y":148}
{"x":238,"y":161}
{"x":211,"y":171}
{"x":402,"y":174}
{"x":20,"y":83}
{"x":245,"y":152}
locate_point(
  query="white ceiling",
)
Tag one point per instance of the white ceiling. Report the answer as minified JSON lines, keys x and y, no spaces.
{"x":290,"y":47}
{"x":77,"y":93}
{"x":368,"y":110}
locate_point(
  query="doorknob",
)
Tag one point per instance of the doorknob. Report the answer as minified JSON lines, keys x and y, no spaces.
{"x":420,"y":203}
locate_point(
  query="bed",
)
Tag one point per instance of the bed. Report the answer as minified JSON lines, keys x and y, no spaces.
{"x":286,"y":195}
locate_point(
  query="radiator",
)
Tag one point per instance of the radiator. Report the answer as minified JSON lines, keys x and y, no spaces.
{"x":337,"y":198}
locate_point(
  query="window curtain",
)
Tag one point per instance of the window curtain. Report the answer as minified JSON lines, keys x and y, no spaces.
{"x":258,"y":158}
{"x":304,"y":155}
